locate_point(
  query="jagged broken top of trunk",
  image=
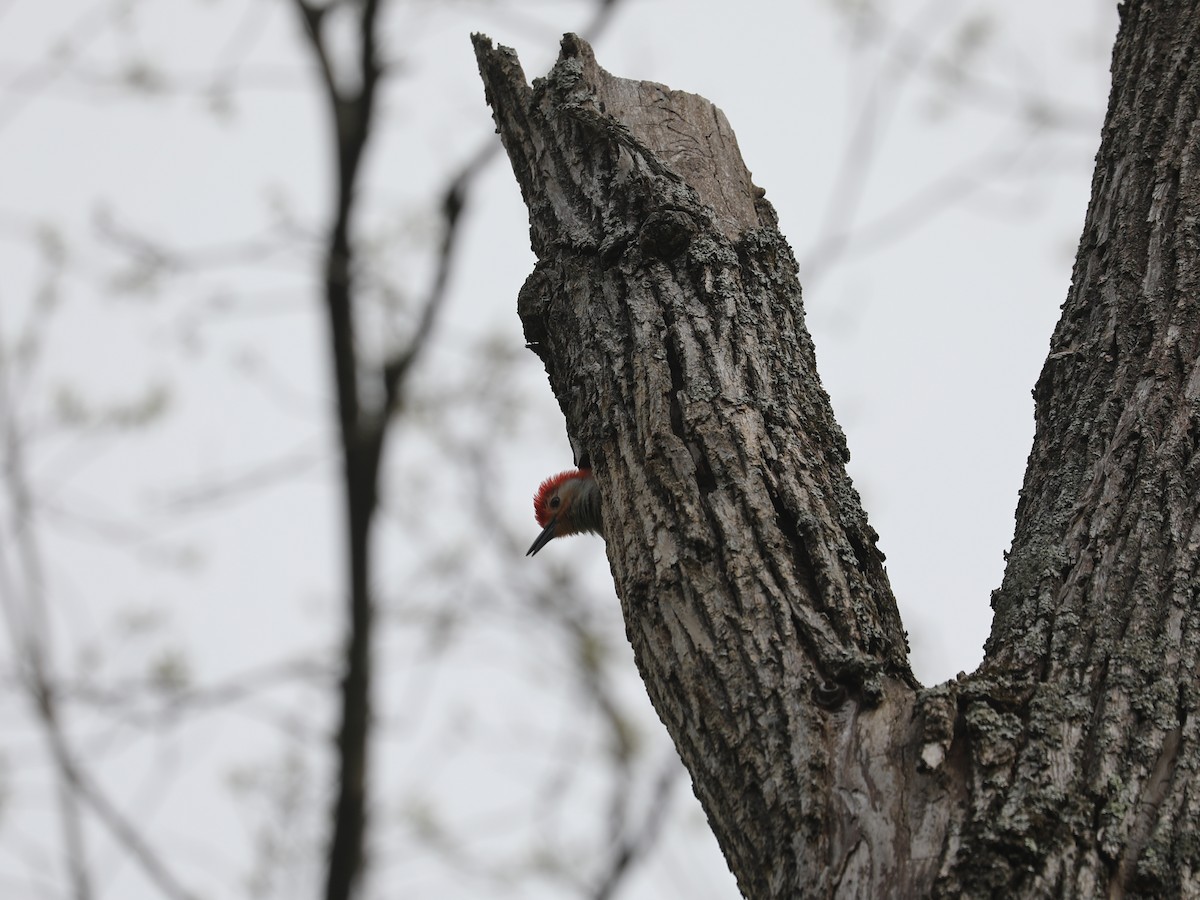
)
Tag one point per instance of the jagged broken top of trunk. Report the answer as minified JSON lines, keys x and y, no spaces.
{"x":691,"y":145}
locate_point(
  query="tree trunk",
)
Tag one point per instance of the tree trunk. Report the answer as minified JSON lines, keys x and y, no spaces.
{"x":666,"y":308}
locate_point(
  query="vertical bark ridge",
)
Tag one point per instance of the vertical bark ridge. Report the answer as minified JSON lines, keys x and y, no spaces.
{"x":1095,"y":638}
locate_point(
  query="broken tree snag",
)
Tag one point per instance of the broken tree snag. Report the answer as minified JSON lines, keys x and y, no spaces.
{"x":666,"y":309}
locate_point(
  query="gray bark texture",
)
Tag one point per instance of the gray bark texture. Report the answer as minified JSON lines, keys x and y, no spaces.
{"x":666,"y":308}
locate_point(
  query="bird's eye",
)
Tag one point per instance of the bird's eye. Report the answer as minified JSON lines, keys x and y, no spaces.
{"x":555,"y":501}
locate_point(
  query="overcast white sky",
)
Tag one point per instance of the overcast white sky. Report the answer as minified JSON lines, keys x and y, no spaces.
{"x":960,"y":208}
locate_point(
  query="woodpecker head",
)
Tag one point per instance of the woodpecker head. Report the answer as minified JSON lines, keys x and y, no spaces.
{"x":567,"y":503}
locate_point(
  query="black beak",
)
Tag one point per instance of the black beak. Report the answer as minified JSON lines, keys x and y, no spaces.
{"x":544,"y":538}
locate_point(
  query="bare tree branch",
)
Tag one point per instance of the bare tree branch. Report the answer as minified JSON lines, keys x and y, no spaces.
{"x":119,"y":826}
{"x":362,"y":437}
{"x":641,"y":841}
{"x":146,"y":703}
{"x":30,"y":634}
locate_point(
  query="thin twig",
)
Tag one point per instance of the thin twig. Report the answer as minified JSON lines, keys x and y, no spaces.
{"x":641,"y":841}
{"x":120,"y":827}
{"x":30,"y":632}
{"x":32,"y":641}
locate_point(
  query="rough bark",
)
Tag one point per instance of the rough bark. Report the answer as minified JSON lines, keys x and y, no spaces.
{"x":1096,"y":630}
{"x":666,"y":308}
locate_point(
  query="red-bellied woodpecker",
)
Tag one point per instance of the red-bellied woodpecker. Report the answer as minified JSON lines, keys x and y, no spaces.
{"x":567,"y":503}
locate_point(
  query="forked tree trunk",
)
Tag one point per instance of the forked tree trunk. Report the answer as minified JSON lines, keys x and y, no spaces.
{"x":666,"y":308}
